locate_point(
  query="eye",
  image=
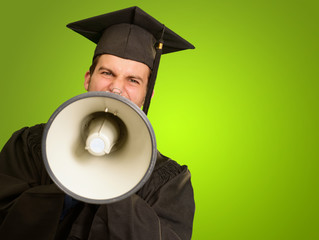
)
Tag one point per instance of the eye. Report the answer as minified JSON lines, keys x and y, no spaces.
{"x":132,"y":80}
{"x":107,"y":73}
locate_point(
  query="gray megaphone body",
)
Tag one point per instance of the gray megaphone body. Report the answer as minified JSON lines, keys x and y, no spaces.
{"x":99,"y":147}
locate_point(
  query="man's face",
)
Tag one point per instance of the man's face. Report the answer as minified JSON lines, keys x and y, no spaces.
{"x":115,"y":74}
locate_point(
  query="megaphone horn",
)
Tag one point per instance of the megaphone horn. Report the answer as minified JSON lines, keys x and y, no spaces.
{"x":99,"y":147}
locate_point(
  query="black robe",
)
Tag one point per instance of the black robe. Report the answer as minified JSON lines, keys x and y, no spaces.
{"x":31,"y":205}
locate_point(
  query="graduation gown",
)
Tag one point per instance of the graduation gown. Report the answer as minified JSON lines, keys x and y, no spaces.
{"x":33,"y":207}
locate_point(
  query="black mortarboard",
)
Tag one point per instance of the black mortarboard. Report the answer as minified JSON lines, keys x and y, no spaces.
{"x":133,"y":34}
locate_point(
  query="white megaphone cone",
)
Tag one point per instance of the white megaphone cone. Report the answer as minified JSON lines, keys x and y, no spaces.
{"x":99,"y":147}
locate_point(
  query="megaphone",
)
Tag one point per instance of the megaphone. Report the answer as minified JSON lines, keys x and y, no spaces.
{"x":99,"y":147}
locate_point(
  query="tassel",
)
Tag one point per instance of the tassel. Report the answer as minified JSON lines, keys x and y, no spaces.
{"x":153,"y":76}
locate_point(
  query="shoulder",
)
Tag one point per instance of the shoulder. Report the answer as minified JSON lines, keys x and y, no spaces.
{"x":26,"y":135}
{"x":30,"y":132}
{"x":21,"y":156}
{"x":167,"y":172}
{"x":33,"y":134}
{"x":167,"y":168}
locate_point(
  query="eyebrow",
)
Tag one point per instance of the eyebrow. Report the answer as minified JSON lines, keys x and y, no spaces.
{"x":105,"y":68}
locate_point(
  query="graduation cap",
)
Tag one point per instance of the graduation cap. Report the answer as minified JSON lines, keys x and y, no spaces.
{"x":132,"y":34}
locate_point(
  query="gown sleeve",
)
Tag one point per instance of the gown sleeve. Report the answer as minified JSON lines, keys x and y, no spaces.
{"x":162,"y":210}
{"x":30,"y":205}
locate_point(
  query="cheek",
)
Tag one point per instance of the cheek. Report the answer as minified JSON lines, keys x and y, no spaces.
{"x":98,"y":85}
{"x":136,"y":96}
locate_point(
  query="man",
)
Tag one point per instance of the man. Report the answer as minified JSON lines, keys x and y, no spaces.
{"x":33,"y":207}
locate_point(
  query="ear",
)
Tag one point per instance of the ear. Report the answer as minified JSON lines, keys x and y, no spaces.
{"x":87,"y":78}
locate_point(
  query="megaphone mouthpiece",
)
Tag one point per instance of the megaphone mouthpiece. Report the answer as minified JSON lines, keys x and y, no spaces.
{"x":103,"y":134}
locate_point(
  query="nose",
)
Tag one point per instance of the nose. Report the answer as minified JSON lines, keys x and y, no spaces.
{"x":117,"y":86}
{"x":117,"y":91}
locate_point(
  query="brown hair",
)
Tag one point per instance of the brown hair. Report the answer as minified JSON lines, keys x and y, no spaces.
{"x":94,"y":63}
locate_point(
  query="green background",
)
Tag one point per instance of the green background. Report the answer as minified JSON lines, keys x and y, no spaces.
{"x":241,"y":110}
